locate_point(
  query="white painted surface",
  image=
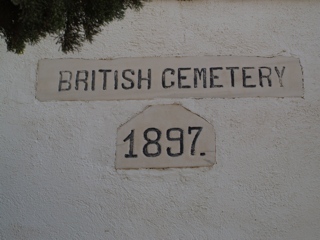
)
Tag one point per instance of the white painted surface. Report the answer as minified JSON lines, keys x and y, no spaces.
{"x":57,"y":175}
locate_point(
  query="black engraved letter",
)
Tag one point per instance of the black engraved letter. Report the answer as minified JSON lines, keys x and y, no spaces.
{"x":104,"y":71}
{"x":93,"y":81}
{"x":202,"y":74}
{"x":180,"y":139}
{"x":280,"y":75}
{"x":164,"y":77}
{"x":261,"y":76}
{"x":78,"y":79}
{"x":245,"y":77}
{"x":128,"y":79}
{"x":116,"y":79}
{"x":232,"y":74}
{"x":145,"y":79}
{"x":180,"y":78}
{"x":61,"y":81}
{"x":213,"y":77}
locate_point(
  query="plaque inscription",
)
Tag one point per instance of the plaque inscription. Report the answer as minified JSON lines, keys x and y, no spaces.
{"x":165,"y":136}
{"x":175,"y":77}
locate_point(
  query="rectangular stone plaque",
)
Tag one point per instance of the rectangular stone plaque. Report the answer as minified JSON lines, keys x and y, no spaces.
{"x":165,"y":136}
{"x":173,"y":77}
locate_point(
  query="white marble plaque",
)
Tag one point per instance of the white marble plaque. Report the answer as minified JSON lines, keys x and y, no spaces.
{"x":174,"y":77}
{"x":165,"y":136}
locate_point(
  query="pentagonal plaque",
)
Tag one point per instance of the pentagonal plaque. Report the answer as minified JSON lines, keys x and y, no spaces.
{"x":165,"y":136}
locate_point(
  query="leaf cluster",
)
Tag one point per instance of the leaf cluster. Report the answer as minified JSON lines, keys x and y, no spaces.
{"x":71,"y":21}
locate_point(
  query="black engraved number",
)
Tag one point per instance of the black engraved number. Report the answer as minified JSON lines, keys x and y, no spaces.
{"x":194,"y":141}
{"x":131,"y":138}
{"x":152,"y":142}
{"x":180,"y":139}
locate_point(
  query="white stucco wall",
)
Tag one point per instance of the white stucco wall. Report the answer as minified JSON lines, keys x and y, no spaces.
{"x":57,"y":174}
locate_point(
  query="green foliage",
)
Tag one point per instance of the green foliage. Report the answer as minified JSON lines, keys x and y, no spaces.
{"x":71,"y":21}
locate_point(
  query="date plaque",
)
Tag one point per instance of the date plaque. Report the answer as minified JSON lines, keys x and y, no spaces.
{"x":165,"y":136}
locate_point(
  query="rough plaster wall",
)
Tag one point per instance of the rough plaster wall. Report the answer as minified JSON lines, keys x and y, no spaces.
{"x":57,"y":173}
